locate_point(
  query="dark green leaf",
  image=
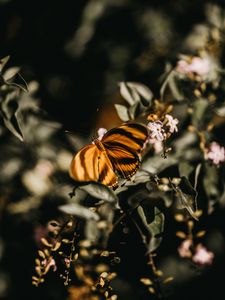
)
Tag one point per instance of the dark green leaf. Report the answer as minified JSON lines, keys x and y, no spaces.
{"x":200,"y":112}
{"x":186,"y":195}
{"x":185,"y":168}
{"x":99,"y":191}
{"x":211,"y":181}
{"x":155,"y":227}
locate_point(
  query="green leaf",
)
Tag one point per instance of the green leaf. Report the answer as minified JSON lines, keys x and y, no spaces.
{"x":201,"y":111}
{"x":122,"y":112}
{"x":79,"y":211}
{"x":211,"y":181}
{"x":186,"y":195}
{"x":155,"y":228}
{"x":99,"y":191}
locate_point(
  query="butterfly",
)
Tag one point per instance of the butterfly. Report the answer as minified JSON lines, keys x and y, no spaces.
{"x":117,"y":154}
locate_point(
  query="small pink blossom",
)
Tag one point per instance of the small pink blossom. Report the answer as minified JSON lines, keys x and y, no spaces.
{"x":50,"y":262}
{"x":156,"y":131}
{"x":202,"y":256}
{"x":157,"y":145}
{"x":184,"y":249}
{"x":197,"y":65}
{"x":215,"y":153}
{"x":101,"y":133}
{"x":172,"y":123}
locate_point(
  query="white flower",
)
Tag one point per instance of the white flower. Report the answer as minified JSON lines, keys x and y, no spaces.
{"x":215,"y":153}
{"x":156,"y":131}
{"x":197,"y":65}
{"x":157,"y":145}
{"x":203,"y":256}
{"x":101,"y":133}
{"x":172,"y":123}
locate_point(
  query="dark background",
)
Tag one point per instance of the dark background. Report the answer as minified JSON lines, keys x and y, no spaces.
{"x":78,"y":77}
{"x":78,"y":86}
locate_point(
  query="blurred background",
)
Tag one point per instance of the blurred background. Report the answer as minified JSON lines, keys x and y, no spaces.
{"x":77,"y":52}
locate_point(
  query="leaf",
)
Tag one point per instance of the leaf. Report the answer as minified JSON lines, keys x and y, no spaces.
{"x":20,"y":83}
{"x":200,"y":113}
{"x":187,"y":195}
{"x":197,"y":172}
{"x":220,"y":111}
{"x":145,"y":94}
{"x":211,"y":182}
{"x":134,"y":110}
{"x":155,"y":228}
{"x":134,"y":92}
{"x":9,"y":110}
{"x":127,"y":94}
{"x":10,"y":73}
{"x":122,"y":112}
{"x":99,"y":191}
{"x":185,"y":168}
{"x":166,"y":78}
{"x":79,"y":211}
{"x":3,"y":62}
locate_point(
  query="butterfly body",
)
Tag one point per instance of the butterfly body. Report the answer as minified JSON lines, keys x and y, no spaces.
{"x":118,"y":154}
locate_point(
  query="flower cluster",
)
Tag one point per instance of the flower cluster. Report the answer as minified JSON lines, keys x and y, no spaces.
{"x":199,"y":255}
{"x":215,"y":153}
{"x":193,"y":65}
{"x":161,"y":130}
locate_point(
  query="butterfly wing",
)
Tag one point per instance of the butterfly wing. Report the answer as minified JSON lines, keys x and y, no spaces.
{"x":124,"y":161}
{"x":130,"y":135}
{"x":123,"y":146}
{"x":92,"y":164}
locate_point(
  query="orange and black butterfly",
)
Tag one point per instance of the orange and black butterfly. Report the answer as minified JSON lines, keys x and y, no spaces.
{"x":117,"y":154}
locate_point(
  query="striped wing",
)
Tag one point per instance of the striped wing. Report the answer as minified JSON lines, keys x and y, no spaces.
{"x":123,"y":146}
{"x":92,"y":164}
{"x":124,"y":161}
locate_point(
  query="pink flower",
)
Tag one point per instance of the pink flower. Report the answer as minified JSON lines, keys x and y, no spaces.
{"x":184,"y":249}
{"x":215,"y":153}
{"x":172,"y":123}
{"x":156,"y":131}
{"x":101,"y":133}
{"x":197,"y":65}
{"x":202,"y":256}
{"x":157,"y":145}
